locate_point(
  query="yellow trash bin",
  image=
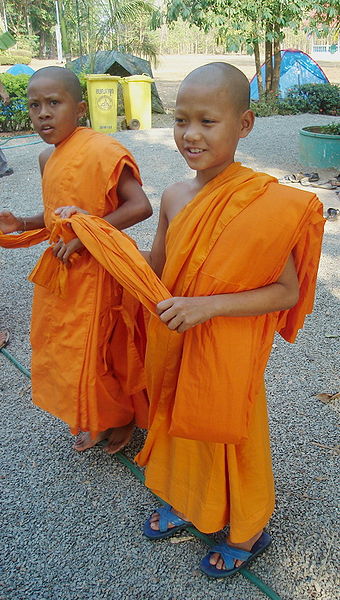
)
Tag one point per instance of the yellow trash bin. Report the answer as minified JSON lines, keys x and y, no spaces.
{"x":102,"y":95}
{"x":137,"y":100}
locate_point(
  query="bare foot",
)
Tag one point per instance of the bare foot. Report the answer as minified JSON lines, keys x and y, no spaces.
{"x":85,"y":441}
{"x":218,"y":561}
{"x":154,"y":519}
{"x":119,"y":437}
{"x":4,"y":337}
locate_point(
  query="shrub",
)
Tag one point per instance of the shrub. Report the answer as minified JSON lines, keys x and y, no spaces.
{"x":14,"y":116}
{"x":323,"y":98}
{"x":273,"y":106}
{"x":22,"y":52}
{"x":29,"y":43}
{"x":13,"y":59}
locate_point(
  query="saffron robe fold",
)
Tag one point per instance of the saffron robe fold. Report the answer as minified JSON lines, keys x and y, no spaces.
{"x":87,"y":333}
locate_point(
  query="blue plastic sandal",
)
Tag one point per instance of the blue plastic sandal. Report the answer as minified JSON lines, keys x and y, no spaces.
{"x":230,"y":554}
{"x":166,"y":516}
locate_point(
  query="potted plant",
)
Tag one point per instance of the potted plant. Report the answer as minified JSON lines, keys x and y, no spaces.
{"x":320,"y":146}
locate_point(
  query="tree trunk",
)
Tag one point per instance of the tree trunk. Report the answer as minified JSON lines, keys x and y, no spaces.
{"x":277,"y":60}
{"x":268,"y":59}
{"x":42,"y":44}
{"x":258,"y":69}
{"x":63,"y":30}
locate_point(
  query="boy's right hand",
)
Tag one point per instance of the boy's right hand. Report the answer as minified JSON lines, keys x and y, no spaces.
{"x":64,"y":251}
{"x":9,"y":223}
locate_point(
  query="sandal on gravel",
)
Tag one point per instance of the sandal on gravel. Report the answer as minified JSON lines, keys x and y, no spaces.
{"x":297,"y":177}
{"x":4,"y":338}
{"x":332,"y":213}
{"x":166,"y":516}
{"x":313,"y":177}
{"x":230,"y":554}
{"x":327,"y":185}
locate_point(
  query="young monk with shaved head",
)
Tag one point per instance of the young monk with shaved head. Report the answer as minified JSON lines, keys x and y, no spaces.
{"x":87,"y":364}
{"x":239,"y":254}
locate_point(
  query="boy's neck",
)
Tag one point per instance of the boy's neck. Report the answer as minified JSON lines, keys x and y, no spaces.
{"x":203,"y":177}
{"x":67,"y":137}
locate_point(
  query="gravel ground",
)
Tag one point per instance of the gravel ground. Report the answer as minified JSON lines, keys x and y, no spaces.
{"x":72,"y":522}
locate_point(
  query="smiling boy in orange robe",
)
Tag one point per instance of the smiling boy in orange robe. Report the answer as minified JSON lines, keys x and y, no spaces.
{"x":86,"y":333}
{"x":239,"y":254}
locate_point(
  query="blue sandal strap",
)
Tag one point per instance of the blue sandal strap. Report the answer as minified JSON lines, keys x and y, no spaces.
{"x":166,"y":516}
{"x":230,"y":554}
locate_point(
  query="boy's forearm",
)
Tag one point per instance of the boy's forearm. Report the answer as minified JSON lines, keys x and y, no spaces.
{"x":146,"y":254}
{"x":30,"y":223}
{"x":271,"y":298}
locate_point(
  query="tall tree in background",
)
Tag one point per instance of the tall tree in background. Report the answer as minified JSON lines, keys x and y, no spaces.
{"x":86,"y":25}
{"x":252,"y":23}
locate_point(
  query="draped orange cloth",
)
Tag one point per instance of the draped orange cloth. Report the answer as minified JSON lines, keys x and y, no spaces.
{"x":87,"y":333}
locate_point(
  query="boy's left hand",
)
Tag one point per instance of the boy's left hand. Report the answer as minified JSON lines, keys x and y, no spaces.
{"x":64,"y":251}
{"x":65,"y":212}
{"x":181,"y":313}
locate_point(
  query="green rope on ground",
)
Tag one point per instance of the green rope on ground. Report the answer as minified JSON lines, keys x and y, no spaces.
{"x":23,"y":145}
{"x":15,"y":362}
{"x":16,"y":137}
{"x":140,"y":476}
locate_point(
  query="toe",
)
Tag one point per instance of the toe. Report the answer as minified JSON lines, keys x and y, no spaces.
{"x":214,"y":558}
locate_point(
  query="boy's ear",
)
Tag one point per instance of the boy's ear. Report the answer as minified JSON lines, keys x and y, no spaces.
{"x":82,"y":108}
{"x":247,"y":122}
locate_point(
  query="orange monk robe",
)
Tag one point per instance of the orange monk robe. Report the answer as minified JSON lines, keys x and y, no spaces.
{"x":207,"y":451}
{"x":82,"y":322}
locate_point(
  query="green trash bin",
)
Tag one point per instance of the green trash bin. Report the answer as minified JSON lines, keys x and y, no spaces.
{"x":102,"y":96}
{"x":137,"y":100}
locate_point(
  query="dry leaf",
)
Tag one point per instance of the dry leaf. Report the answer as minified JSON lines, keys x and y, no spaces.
{"x":178,"y":540}
{"x":335,"y":449}
{"x":326,"y":398}
{"x":25,"y":390}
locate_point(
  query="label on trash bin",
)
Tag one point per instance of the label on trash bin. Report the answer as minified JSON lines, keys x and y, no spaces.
{"x":104,"y":98}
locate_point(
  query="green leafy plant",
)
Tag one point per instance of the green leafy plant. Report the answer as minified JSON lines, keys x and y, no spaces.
{"x":273,"y":106}
{"x":331,"y":128}
{"x":14,"y":116}
{"x":323,"y":98}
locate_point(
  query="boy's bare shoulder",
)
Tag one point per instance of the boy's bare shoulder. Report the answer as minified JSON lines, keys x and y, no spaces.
{"x":178,"y":187}
{"x":44,"y":156}
{"x":176,"y":196}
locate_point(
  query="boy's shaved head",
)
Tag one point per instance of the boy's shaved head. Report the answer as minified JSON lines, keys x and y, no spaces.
{"x":64,"y":76}
{"x":223,"y":75}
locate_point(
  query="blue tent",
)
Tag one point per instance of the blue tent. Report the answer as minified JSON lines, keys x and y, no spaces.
{"x":20,"y":70}
{"x":296,"y":68}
